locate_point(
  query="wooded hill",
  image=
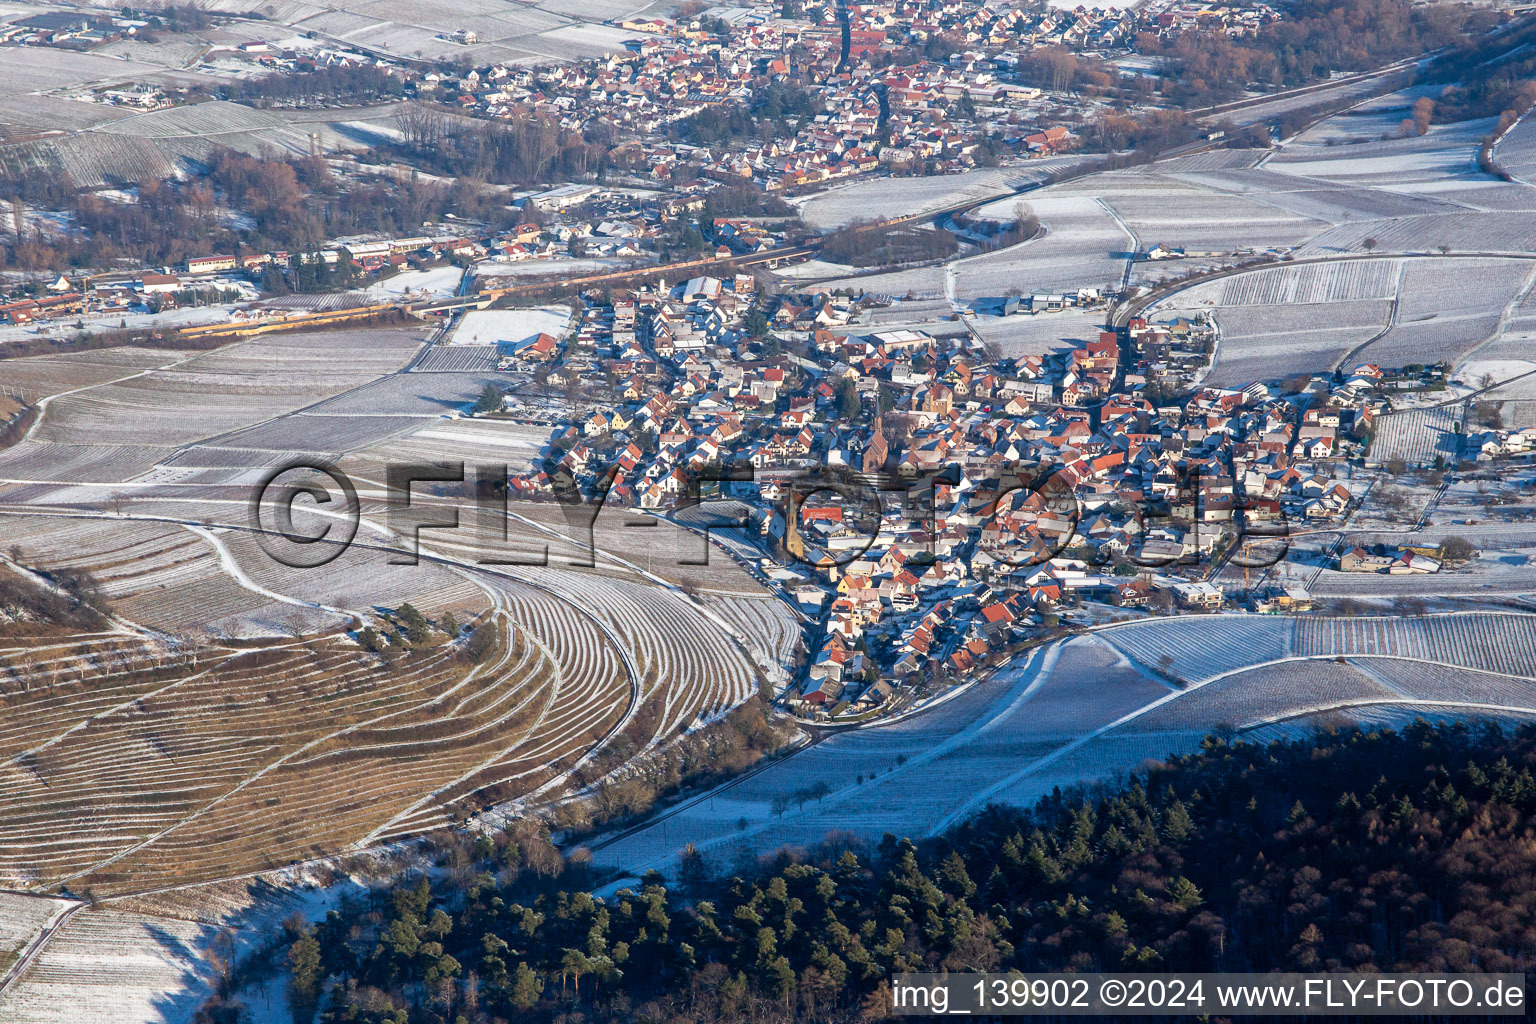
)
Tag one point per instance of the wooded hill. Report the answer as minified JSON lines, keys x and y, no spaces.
{"x":1353,"y":851}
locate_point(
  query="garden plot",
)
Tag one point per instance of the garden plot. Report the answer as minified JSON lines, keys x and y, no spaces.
{"x":1083,"y":246}
{"x":495,"y":326}
{"x":908,"y":775}
{"x":1417,"y":436}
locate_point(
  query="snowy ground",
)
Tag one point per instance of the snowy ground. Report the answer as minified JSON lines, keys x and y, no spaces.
{"x":438,"y":281}
{"x":876,"y":198}
{"x":1091,"y":708}
{"x":171,"y":318}
{"x":489,"y":326}
{"x":1039,"y":333}
{"x":544,"y":268}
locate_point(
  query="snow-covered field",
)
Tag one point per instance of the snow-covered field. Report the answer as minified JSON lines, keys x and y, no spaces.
{"x":491,"y":270}
{"x":879,"y":198}
{"x":493,"y":326}
{"x":904,"y":776}
{"x":1039,"y":333}
{"x":1183,"y":215}
{"x":1083,"y":246}
{"x":1083,"y":710}
{"x":1417,"y":436}
{"x":436,"y":282}
{"x":1284,"y":319}
{"x":1516,"y":151}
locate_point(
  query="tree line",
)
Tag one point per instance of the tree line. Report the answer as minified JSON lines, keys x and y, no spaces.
{"x":292,"y":204}
{"x":1347,"y":851}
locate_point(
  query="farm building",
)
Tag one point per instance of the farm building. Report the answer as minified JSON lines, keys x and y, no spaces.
{"x":211,"y":264}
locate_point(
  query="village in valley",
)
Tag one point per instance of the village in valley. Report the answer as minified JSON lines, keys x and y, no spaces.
{"x":931,"y":508}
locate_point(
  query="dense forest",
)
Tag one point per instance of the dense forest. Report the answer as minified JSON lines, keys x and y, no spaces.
{"x":1316,"y":38}
{"x":516,"y":152}
{"x":1349,"y":851}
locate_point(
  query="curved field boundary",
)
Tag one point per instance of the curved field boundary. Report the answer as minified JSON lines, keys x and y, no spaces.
{"x":981,"y":798}
{"x":1363,"y":702}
